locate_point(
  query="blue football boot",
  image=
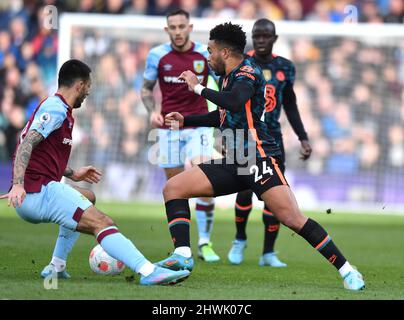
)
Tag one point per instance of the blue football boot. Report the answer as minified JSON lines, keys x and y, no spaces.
{"x":236,"y":253}
{"x":353,"y":280}
{"x":163,"y":276}
{"x":177,"y":262}
{"x":270,"y":259}
{"x":50,"y":268}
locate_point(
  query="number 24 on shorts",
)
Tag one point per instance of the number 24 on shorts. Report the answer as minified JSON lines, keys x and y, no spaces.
{"x":265,"y":169}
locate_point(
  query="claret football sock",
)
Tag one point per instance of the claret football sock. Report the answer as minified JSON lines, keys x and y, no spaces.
{"x":179,"y":218}
{"x":121,"y":248}
{"x":321,"y":241}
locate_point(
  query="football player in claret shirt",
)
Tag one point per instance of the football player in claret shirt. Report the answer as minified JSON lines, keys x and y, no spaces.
{"x":279,"y":74}
{"x":241,"y":104}
{"x":38,"y":196}
{"x":164,"y":64}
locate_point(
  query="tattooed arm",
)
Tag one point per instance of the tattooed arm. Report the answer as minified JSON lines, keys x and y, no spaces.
{"x":17,"y":193}
{"x":69,"y":172}
{"x":23,"y":155}
{"x":156,"y":119}
{"x":147,"y":95}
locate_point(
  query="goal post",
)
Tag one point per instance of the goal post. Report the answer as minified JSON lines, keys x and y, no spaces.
{"x":349,"y":87}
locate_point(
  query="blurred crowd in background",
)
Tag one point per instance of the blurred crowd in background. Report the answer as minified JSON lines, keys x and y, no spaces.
{"x":349,"y":92}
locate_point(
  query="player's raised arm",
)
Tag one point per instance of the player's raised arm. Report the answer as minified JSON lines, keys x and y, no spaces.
{"x":233,"y":100}
{"x":17,"y":193}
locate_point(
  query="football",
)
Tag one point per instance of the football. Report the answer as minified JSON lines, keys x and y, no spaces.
{"x":102,"y":263}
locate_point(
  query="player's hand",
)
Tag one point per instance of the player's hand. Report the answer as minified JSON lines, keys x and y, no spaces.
{"x":190,"y":78}
{"x":88,"y":174}
{"x":156,"y":119}
{"x":174,"y":120}
{"x":305,"y":151}
{"x":15,"y":196}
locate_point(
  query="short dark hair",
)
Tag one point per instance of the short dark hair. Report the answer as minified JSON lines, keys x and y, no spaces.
{"x":71,"y":71}
{"x":265,"y":23}
{"x":231,"y":35}
{"x":176,"y":12}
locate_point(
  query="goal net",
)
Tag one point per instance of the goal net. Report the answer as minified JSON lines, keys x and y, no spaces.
{"x":349,"y":87}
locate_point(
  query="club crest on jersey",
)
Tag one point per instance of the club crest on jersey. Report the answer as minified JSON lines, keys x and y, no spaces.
{"x":44,"y":118}
{"x":267,"y":74}
{"x":199,"y":65}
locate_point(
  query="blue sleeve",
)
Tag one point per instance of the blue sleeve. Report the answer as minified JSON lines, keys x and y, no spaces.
{"x":48,"y":118}
{"x":151,"y":67}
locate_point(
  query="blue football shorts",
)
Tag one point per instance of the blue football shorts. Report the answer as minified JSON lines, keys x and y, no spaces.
{"x":176,"y":146}
{"x":56,"y":202}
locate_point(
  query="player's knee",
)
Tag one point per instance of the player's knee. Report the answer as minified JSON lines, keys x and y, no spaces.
{"x":101,"y":220}
{"x":291,"y":220}
{"x":172,"y":190}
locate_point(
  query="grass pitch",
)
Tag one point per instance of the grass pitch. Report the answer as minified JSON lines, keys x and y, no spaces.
{"x":374,"y":243}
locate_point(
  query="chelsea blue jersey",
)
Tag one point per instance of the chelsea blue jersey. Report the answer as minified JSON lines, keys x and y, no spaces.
{"x":278,"y":73}
{"x":246,"y":124}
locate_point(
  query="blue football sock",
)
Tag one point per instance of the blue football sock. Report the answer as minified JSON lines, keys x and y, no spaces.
{"x":65,"y":242}
{"x":121,"y":248}
{"x":204,"y":218}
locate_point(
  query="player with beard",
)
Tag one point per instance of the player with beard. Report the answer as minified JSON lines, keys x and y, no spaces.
{"x":39,"y":163}
{"x":241,"y":102}
{"x":165,"y":63}
{"x":279,"y":74}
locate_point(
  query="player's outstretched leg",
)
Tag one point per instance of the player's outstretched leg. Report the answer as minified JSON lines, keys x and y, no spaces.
{"x":271,"y":229}
{"x":176,"y":193}
{"x":204,"y":217}
{"x":64,"y":244}
{"x":243,"y":207}
{"x":117,"y":246}
{"x":282,"y":203}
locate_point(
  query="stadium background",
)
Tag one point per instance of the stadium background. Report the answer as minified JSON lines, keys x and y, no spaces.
{"x":349,"y":90}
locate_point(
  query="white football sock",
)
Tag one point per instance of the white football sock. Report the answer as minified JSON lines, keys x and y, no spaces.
{"x":60,"y":264}
{"x":202,"y":241}
{"x":183,"y":251}
{"x":147,"y":269}
{"x":345,"y":269}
